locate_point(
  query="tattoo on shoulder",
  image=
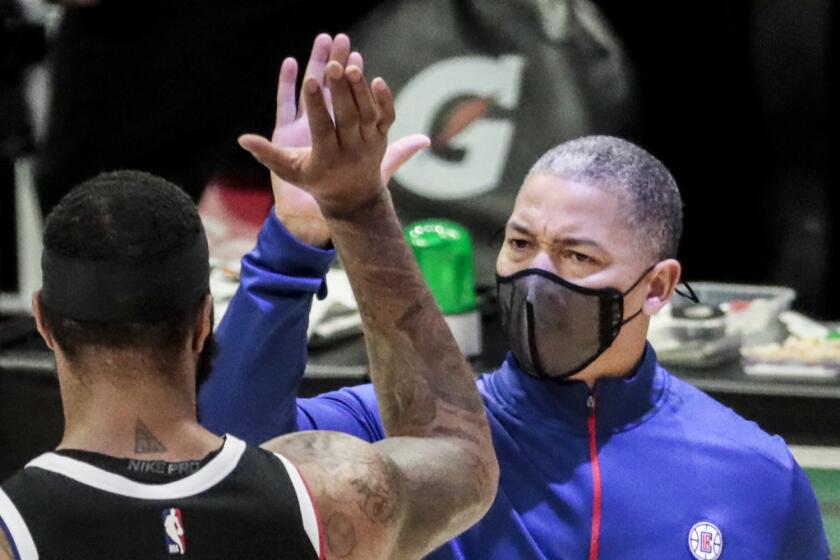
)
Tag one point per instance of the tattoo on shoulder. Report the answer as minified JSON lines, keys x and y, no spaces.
{"x":145,"y":441}
{"x":340,"y":534}
{"x":356,"y":488}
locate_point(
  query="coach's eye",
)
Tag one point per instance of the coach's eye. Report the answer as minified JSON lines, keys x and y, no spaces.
{"x":518,"y":244}
{"x":581,"y":258}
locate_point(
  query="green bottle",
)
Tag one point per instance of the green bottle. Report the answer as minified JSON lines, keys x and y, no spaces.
{"x":444,"y":252}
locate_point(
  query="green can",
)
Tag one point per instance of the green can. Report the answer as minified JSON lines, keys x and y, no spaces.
{"x":444,"y":252}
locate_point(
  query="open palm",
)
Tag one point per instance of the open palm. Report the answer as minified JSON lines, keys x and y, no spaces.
{"x":295,"y":207}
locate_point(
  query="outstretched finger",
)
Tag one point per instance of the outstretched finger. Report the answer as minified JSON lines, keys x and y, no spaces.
{"x":286,"y":85}
{"x":346,"y":114}
{"x":286,"y":163}
{"x":385,"y":102}
{"x":340,"y":50}
{"x":320,"y":123}
{"x":356,"y":59}
{"x":399,"y":152}
{"x":365,"y":105}
{"x":318,"y":58}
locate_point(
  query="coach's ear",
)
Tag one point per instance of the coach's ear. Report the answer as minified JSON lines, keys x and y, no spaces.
{"x":39,"y":320}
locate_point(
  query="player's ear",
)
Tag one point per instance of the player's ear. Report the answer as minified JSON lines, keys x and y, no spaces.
{"x":43,"y":330}
{"x":204,"y":324}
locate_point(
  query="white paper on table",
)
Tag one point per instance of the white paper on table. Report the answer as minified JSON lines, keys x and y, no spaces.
{"x":337,"y":315}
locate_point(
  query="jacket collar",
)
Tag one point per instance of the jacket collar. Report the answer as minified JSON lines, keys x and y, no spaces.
{"x":620,"y":402}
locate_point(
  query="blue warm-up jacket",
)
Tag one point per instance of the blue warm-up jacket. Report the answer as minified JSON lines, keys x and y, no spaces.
{"x":645,"y":467}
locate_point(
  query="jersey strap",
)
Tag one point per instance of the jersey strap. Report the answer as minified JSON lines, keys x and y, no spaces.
{"x":16,"y":530}
{"x":308,"y":511}
{"x":208,"y":476}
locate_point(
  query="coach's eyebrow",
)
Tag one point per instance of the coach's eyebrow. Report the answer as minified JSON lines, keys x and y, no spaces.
{"x":580,"y":242}
{"x":519,"y":227}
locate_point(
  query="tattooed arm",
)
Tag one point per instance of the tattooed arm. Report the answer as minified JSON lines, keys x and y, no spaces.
{"x":436,"y":474}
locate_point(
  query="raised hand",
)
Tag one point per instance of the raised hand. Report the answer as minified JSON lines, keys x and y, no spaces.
{"x":438,"y":437}
{"x":295,"y":207}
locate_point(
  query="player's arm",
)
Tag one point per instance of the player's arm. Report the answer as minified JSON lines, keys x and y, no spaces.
{"x":438,"y":474}
{"x":398,"y":498}
{"x":5,"y":548}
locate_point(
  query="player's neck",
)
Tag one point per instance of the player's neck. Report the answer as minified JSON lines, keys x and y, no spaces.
{"x":121,"y":411}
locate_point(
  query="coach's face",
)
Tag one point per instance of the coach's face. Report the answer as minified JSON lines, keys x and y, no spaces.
{"x":575,"y":231}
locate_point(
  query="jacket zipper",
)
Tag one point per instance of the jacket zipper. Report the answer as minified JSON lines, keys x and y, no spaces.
{"x":595,"y":539}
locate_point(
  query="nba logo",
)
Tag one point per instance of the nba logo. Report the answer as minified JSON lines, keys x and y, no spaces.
{"x":173,"y":527}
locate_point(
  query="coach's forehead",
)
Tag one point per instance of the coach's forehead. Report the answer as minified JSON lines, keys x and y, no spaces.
{"x":557,"y":208}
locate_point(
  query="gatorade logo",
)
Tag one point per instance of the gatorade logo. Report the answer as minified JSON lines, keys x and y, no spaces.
{"x":464,"y":104}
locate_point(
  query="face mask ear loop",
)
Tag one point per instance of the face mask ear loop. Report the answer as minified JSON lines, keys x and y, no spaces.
{"x":631,"y":317}
{"x":639,"y":281}
{"x":691,"y":295}
{"x":630,"y":289}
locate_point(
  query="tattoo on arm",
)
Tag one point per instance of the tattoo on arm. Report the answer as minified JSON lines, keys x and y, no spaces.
{"x":145,"y":441}
{"x":415,"y":363}
{"x":354,"y":489}
{"x":442,"y":453}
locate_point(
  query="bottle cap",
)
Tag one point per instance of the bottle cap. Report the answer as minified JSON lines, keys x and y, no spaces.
{"x":443,"y":250}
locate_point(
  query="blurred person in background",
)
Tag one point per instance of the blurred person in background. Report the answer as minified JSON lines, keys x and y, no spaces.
{"x":132,"y":79}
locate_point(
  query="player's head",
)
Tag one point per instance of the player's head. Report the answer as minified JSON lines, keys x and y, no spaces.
{"x":125,"y":270}
{"x":597,"y":212}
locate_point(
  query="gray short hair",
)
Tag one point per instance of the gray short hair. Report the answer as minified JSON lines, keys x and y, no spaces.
{"x":653,"y":203}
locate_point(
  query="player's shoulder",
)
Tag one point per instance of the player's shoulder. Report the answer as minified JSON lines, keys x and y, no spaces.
{"x":718,"y":425}
{"x":31,"y":482}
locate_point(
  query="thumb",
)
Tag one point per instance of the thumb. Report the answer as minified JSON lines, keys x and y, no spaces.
{"x":286,"y":163}
{"x":399,"y":152}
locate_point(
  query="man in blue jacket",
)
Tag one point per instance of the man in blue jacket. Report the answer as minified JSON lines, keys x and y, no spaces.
{"x":603,"y":453}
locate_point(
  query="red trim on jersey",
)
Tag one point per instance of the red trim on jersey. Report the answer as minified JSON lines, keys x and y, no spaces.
{"x":321,"y":543}
{"x":183,"y":534}
{"x":595,"y":539}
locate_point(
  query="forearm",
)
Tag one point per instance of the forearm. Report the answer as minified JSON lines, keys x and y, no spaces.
{"x":422,"y":381}
{"x":425,"y":388}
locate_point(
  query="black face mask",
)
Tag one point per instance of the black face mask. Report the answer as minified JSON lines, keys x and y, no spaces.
{"x":556,"y":328}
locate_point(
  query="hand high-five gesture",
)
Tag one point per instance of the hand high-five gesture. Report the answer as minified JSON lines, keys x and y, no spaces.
{"x":295,"y":207}
{"x":435,"y":473}
{"x":342,"y":169}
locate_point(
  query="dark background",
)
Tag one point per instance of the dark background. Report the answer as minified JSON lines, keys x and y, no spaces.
{"x":735,"y":101}
{"x":733,"y":97}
